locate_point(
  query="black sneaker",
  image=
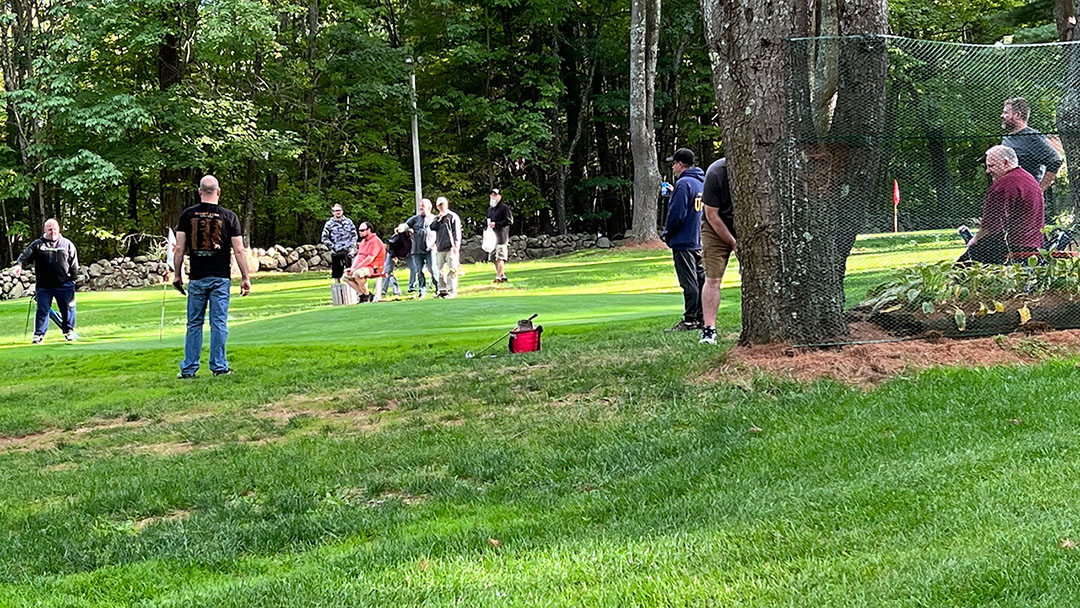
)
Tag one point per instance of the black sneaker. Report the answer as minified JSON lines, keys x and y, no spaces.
{"x":708,"y":335}
{"x":684,"y":326}
{"x":223,"y":372}
{"x":183,"y":376}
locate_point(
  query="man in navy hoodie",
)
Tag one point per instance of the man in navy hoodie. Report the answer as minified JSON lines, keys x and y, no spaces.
{"x":683,"y":235}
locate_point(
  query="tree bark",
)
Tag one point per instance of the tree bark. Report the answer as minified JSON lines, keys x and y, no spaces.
{"x":174,"y":182}
{"x":747,"y":38}
{"x":1065,"y":17}
{"x":249,"y":201}
{"x":1068,"y":110}
{"x":644,"y":39}
{"x":781,"y":182}
{"x":859,"y":121}
{"x":133,"y":215}
{"x":17,"y":55}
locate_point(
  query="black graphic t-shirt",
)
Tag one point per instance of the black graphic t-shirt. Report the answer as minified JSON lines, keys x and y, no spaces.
{"x":209,"y":228}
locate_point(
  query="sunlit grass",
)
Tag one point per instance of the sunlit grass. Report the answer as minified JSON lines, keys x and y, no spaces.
{"x":358,"y":458}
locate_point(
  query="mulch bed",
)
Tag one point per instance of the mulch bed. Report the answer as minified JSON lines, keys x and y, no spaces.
{"x":867,"y":365}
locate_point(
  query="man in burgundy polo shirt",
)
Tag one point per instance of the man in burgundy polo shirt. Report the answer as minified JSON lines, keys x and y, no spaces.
{"x":1012,"y":213}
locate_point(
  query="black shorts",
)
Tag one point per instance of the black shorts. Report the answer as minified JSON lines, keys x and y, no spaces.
{"x":338,"y":263}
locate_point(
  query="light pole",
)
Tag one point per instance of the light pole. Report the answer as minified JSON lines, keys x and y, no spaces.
{"x":415,"y":134}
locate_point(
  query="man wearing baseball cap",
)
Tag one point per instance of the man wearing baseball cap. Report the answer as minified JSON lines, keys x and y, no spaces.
{"x":683,"y":235}
{"x":500,"y":219}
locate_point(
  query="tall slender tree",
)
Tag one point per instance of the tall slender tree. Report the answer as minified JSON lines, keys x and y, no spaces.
{"x":644,"y":39}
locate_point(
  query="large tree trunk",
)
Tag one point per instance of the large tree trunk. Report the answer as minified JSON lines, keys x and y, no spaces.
{"x":1065,"y":17}
{"x":747,"y":37}
{"x":1068,"y":111}
{"x":249,"y":201}
{"x":782,"y":179}
{"x":859,"y":121}
{"x":175,"y":182}
{"x":644,"y":38}
{"x":134,"y":241}
{"x":18,"y":52}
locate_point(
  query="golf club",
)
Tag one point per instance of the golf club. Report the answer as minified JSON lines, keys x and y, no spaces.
{"x":470,"y":354}
{"x":29,"y":304}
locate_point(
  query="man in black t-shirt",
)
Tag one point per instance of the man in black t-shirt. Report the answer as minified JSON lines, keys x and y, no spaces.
{"x":717,"y":242}
{"x":208,"y":231}
{"x":499,"y":219}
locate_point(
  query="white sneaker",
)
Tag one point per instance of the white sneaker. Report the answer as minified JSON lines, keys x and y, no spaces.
{"x":37,"y":339}
{"x":708,"y":335}
{"x":71,"y":336}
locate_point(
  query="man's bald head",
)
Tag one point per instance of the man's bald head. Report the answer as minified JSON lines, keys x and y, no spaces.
{"x":51,"y":229}
{"x":209,"y":190}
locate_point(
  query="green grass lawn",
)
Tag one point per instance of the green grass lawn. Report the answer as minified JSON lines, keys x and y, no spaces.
{"x":357,"y":458}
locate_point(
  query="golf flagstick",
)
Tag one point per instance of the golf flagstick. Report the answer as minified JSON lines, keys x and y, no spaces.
{"x":161,"y":327}
{"x":170,"y":248}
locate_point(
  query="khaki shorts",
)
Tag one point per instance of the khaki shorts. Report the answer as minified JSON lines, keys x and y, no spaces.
{"x":714,"y":252}
{"x":502,"y":252}
{"x":365,"y":271}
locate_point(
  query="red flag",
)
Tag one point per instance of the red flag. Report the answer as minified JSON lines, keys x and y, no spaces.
{"x":895,"y":194}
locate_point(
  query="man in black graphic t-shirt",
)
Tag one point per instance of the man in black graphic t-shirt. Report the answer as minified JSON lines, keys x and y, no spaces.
{"x":208,"y":232}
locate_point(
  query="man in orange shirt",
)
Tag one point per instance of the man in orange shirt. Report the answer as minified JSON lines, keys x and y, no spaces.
{"x":370,"y":254}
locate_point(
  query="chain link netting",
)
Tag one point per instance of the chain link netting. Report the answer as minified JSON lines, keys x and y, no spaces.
{"x":887,"y":141}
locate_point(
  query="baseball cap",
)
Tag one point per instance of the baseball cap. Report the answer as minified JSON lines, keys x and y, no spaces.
{"x":495,"y":191}
{"x":683,"y":155}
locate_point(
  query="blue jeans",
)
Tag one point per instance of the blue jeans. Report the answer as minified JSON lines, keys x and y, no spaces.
{"x":215,"y":292}
{"x":390,"y":282}
{"x":65,"y":301}
{"x":417,"y":262}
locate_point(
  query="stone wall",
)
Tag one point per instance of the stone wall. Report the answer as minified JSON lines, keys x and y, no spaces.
{"x":128,"y":273}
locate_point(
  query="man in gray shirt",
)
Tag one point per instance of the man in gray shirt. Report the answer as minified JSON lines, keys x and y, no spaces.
{"x":1034,"y":152}
{"x":339,"y":236}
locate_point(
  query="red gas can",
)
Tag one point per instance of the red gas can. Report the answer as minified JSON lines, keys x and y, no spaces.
{"x":525,"y":340}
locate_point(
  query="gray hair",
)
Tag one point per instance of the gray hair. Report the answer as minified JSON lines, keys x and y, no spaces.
{"x":1004,"y":153}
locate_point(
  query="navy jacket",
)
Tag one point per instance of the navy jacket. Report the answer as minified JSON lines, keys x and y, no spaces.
{"x":684,"y":211}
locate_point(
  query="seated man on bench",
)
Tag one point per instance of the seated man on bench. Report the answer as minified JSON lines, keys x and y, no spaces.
{"x":368,"y":263}
{"x":1012,"y":214}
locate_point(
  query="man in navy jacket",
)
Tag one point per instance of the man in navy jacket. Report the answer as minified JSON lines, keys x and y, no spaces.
{"x":683,"y":235}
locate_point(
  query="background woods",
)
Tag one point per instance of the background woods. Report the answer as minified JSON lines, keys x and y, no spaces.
{"x":113,"y":109}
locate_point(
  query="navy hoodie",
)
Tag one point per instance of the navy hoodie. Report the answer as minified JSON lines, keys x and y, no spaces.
{"x":684,"y":211}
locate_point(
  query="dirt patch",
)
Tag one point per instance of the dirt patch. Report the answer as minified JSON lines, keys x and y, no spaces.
{"x":178,"y":515}
{"x":319,"y":407}
{"x":168,"y":448}
{"x":391,"y":496}
{"x":50,"y":439}
{"x":867,"y":365}
{"x":298,"y":407}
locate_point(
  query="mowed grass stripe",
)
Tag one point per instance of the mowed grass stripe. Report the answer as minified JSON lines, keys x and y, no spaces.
{"x":360,"y":459}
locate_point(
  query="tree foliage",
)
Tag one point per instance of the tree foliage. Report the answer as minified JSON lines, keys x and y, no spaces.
{"x":114,"y":109}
